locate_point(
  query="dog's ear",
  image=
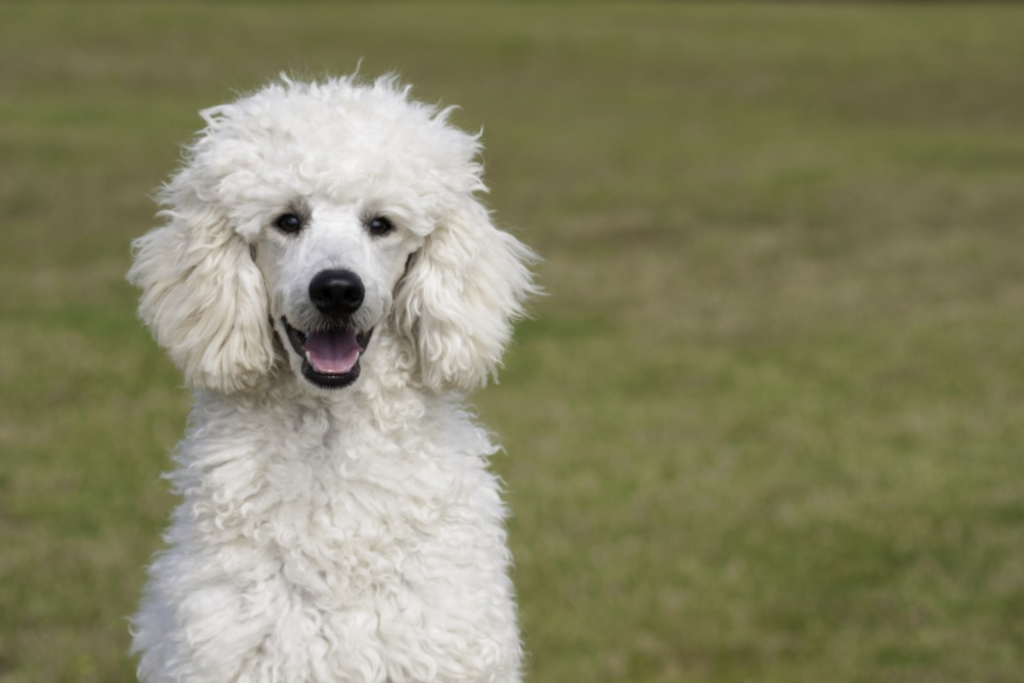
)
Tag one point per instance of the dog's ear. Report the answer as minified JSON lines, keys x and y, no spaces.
{"x":204,"y":299}
{"x":460,"y":295}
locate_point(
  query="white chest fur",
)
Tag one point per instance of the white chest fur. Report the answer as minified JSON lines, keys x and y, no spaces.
{"x":328,"y":551}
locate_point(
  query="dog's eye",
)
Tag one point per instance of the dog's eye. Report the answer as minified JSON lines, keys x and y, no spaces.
{"x":288,"y":223}
{"x":379,"y":226}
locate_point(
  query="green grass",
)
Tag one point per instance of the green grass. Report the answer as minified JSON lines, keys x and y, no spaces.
{"x":767,"y":426}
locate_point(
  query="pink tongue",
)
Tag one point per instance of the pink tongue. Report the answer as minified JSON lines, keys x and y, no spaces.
{"x":332,"y":353}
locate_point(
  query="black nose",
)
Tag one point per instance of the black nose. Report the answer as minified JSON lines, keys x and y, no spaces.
{"x":336,"y":292}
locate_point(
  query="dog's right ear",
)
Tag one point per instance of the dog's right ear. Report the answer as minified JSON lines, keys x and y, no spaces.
{"x":204,"y":299}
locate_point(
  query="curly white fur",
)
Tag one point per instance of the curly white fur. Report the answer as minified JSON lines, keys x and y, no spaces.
{"x":335,"y":535}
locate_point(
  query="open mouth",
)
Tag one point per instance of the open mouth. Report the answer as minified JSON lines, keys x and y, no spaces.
{"x":330,"y":356}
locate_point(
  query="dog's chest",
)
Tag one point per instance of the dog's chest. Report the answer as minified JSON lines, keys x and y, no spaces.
{"x":358,"y":552}
{"x":350,"y":536}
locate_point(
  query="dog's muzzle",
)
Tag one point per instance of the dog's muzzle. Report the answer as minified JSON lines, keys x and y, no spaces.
{"x":331,"y":350}
{"x":330,"y":356}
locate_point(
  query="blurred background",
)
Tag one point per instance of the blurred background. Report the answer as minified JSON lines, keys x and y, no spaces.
{"x":768,"y":423}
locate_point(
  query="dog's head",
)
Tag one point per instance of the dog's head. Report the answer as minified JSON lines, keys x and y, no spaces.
{"x":322,"y":214}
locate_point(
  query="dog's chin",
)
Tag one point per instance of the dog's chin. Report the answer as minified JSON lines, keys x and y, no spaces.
{"x":321,"y":369}
{"x":329,"y":380}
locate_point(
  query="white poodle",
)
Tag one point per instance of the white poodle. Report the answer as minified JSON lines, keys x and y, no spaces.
{"x":331,"y":287}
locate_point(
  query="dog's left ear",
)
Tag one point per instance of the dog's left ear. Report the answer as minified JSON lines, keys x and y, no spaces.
{"x":460,"y":296}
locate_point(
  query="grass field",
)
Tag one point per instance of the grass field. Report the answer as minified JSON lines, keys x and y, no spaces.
{"x":768,"y":425}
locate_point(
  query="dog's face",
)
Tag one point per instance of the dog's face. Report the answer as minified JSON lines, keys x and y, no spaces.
{"x":319,"y":215}
{"x":331,"y":270}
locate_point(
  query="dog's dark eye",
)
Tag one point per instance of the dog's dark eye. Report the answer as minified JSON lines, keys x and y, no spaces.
{"x":379,"y":226}
{"x":288,"y":223}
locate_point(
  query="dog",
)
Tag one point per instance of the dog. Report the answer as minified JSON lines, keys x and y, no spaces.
{"x":329,"y":283}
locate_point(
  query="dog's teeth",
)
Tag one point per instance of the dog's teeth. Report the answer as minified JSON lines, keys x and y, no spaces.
{"x":309,"y":358}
